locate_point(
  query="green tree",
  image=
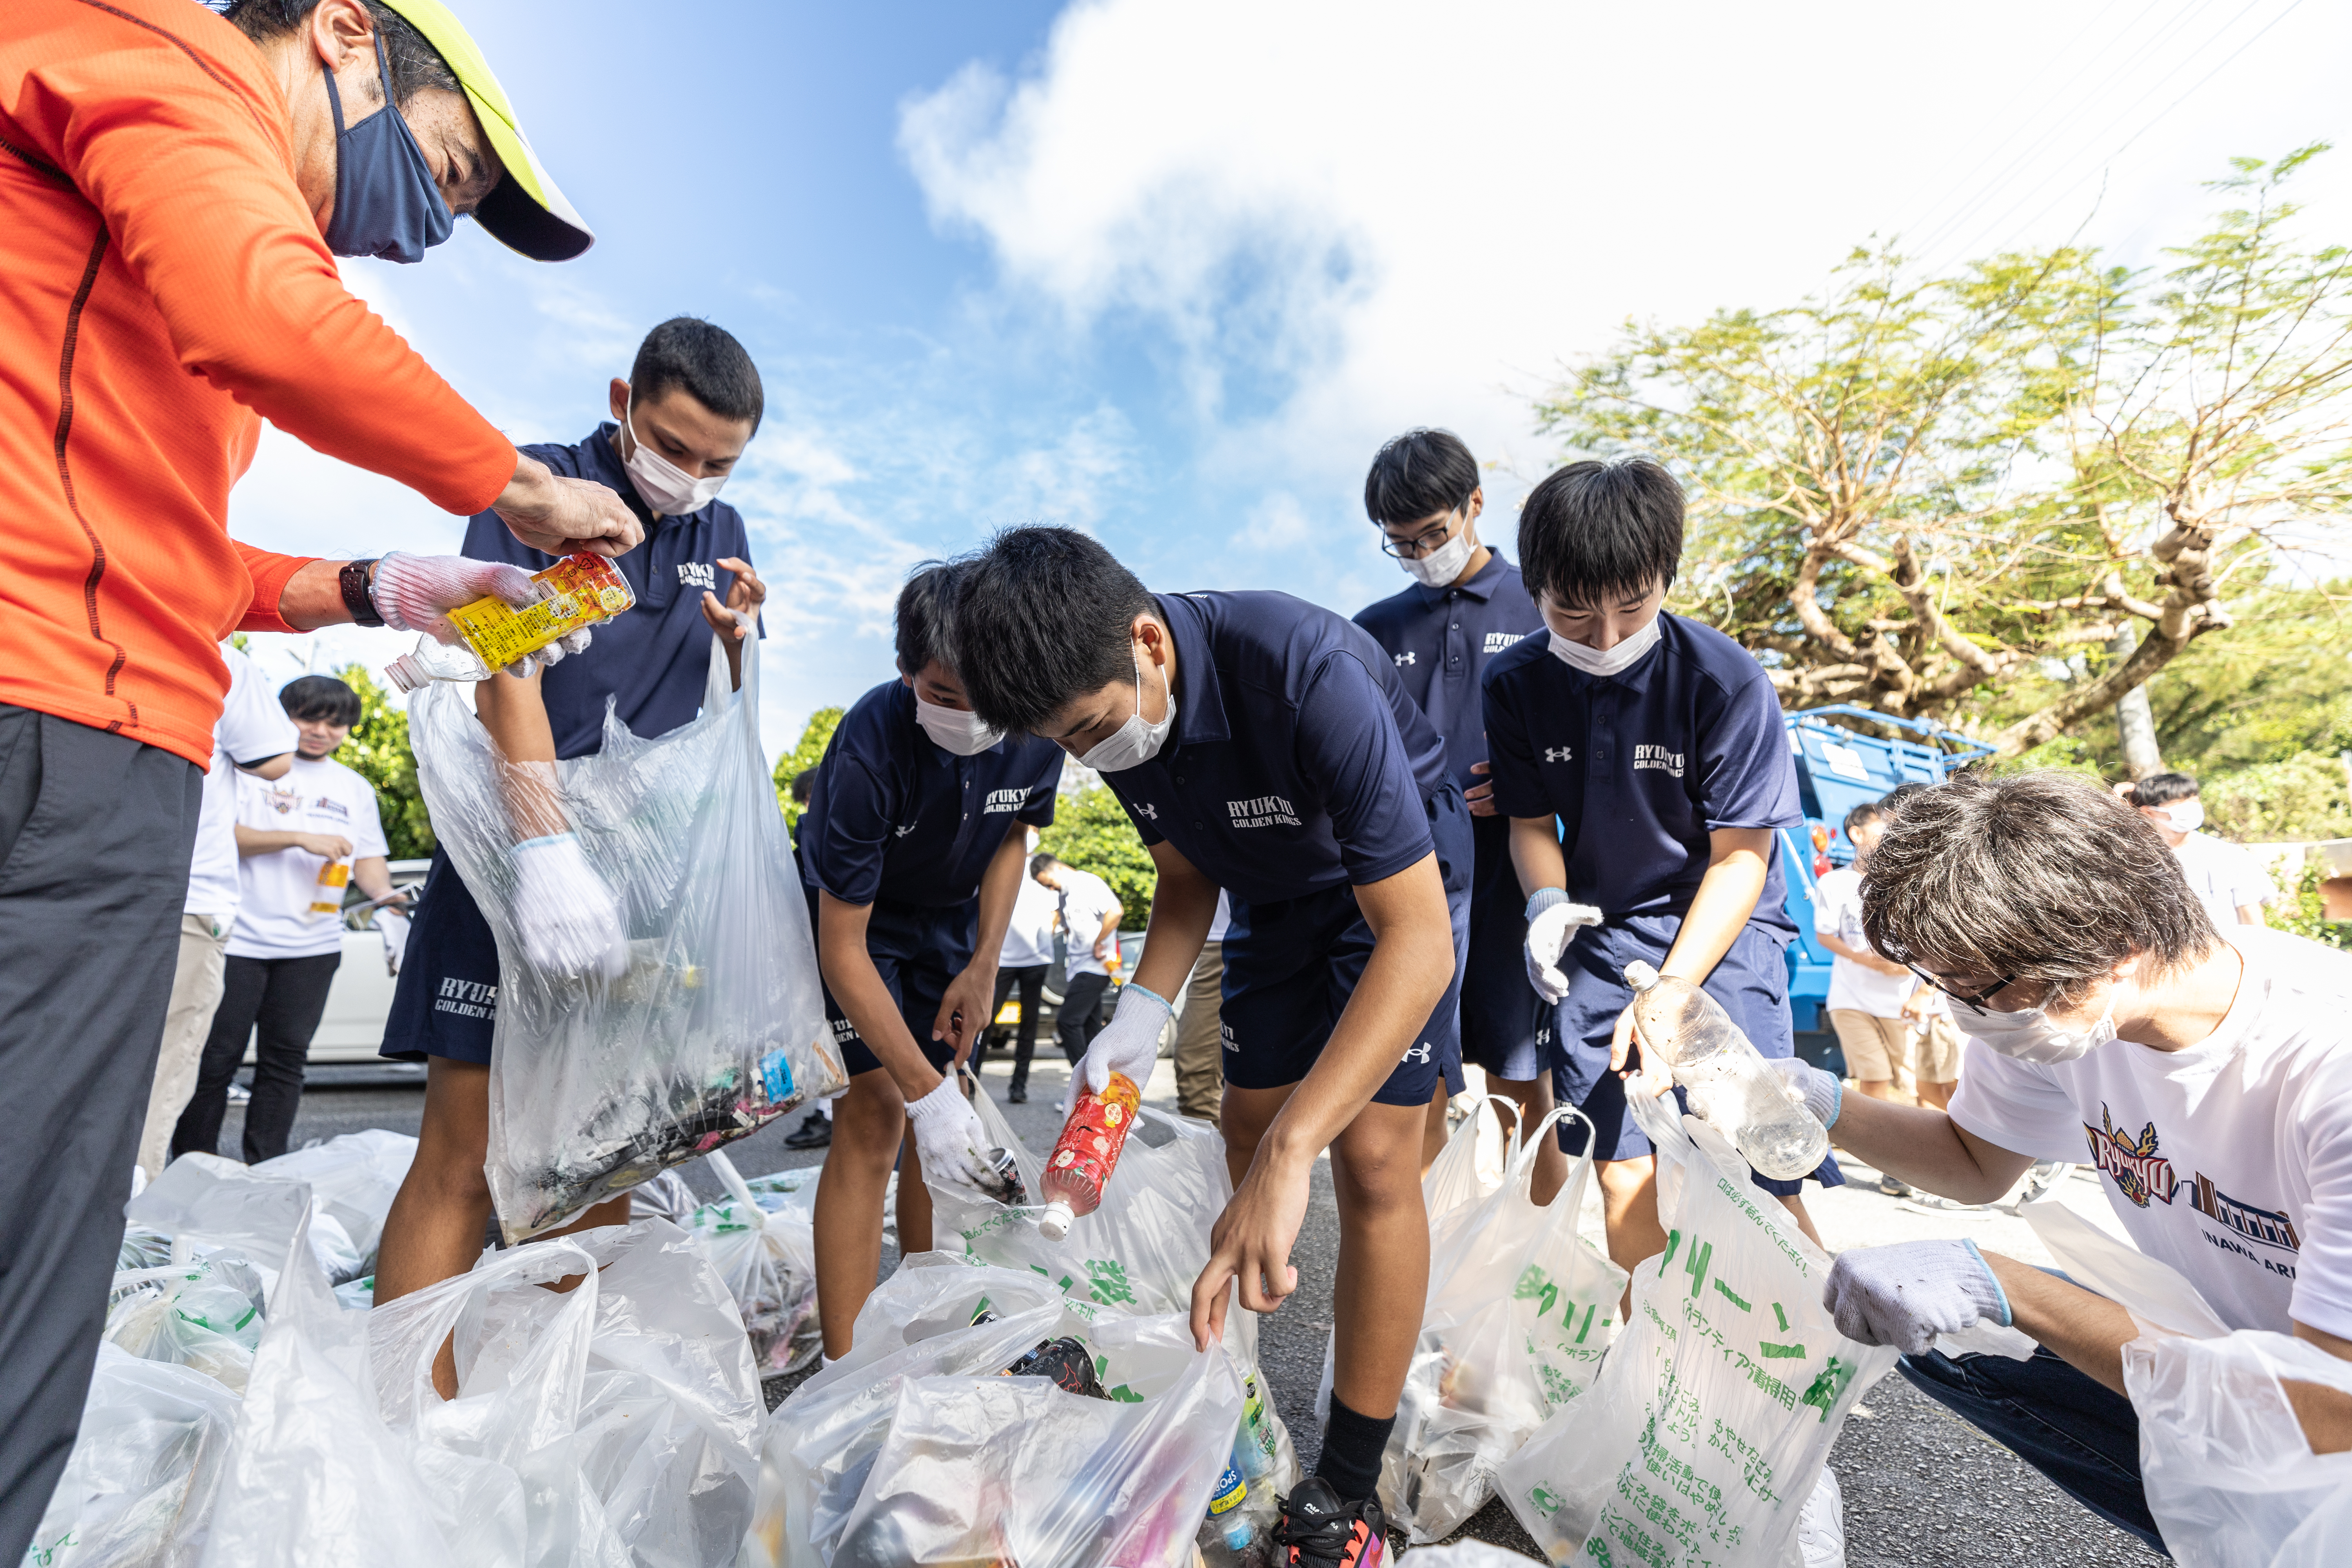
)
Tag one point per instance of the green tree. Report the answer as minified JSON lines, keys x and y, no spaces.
{"x":378,"y":752}
{"x":814,"y":737}
{"x":1092,"y":832}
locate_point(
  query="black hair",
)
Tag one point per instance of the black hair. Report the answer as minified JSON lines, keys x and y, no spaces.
{"x":803,"y":783}
{"x":688,"y":352}
{"x":1863,"y":815}
{"x":1043,"y":617}
{"x":321,"y":698}
{"x":1595,"y":533}
{"x":1040,"y":860}
{"x":2040,"y":875}
{"x":415,"y":64}
{"x":1419,"y":474}
{"x":924,"y":604}
{"x":2163,"y":789}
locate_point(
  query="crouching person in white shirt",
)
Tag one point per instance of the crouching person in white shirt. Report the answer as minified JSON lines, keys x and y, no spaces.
{"x":2210,"y":1075}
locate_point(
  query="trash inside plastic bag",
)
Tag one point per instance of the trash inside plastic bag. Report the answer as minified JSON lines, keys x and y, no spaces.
{"x":764,"y":1245}
{"x":918,"y":1447}
{"x":357,"y":1295}
{"x":140,"y":1486}
{"x":717,"y":1024}
{"x":1520,"y":1309}
{"x":142,"y":1248}
{"x":612,"y":1425}
{"x":1707,"y":1431}
{"x":204,"y":1314}
{"x":206,"y":1205}
{"x":667,"y":1196}
{"x":352,"y":1178}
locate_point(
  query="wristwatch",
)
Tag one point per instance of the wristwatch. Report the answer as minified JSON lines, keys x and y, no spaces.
{"x":354,"y":579}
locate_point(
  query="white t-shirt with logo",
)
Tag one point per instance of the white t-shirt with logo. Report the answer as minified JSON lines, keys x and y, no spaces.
{"x":1837,"y":912}
{"x":2231,"y":1161}
{"x":2223,"y":875}
{"x":1029,"y":934}
{"x":1086,"y":900}
{"x":274,"y":918}
{"x":252,"y":728}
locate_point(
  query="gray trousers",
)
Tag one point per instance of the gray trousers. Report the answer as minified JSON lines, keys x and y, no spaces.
{"x":95,"y":834}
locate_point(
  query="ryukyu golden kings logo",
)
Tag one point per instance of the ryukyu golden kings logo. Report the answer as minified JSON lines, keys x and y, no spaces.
{"x":2138,"y":1170}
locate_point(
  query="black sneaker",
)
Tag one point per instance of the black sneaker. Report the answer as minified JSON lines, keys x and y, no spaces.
{"x":1316,"y":1528}
{"x":814,"y":1132}
{"x":1018,"y":1094}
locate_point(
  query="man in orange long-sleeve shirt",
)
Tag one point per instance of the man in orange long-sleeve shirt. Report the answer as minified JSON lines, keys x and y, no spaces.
{"x":173,"y":189}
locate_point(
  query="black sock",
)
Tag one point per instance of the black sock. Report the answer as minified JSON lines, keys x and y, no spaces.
{"x":1352,"y":1444}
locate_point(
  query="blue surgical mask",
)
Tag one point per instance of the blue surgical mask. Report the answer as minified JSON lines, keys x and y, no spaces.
{"x":387,"y":204}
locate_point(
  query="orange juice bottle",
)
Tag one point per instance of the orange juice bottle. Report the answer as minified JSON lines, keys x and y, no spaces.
{"x":333,"y":877}
{"x":1082,"y":1161}
{"x":578,"y":591}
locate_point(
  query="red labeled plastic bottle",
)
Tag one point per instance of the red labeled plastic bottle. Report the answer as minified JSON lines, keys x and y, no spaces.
{"x":1082,"y":1161}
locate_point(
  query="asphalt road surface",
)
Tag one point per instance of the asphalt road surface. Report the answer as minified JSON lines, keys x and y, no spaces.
{"x":1922,"y":1489}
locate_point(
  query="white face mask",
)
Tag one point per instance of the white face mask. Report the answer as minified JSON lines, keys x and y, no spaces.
{"x":1598,"y":661}
{"x":667,"y":490}
{"x":2030,"y":1037}
{"x":1441,"y":566}
{"x":1137,"y":741}
{"x":2185,"y":816}
{"x":955,"y":730}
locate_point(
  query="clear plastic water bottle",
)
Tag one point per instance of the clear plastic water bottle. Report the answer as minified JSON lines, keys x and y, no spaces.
{"x":1730,"y":1088}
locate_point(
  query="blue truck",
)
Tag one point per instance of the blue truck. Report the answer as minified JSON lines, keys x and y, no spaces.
{"x":1838,"y":766}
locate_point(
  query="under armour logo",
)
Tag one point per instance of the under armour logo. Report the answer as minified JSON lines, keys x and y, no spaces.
{"x":1403,"y":658}
{"x":1558,"y":754}
{"x":1150,"y":811}
{"x":906,"y":830}
{"x":1543,"y":1037}
{"x":1419,"y":1053}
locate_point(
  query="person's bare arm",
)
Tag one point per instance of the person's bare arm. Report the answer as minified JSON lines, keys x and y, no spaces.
{"x":373,"y":876}
{"x":1183,"y":907}
{"x":269,"y":768}
{"x":1736,"y":860}
{"x":1107,"y":939}
{"x":2252,"y":915}
{"x":1861,"y":956}
{"x":967,"y":995}
{"x":268,"y":841}
{"x":857,"y":984}
{"x":2325,"y":1413}
{"x":1410,"y":962}
{"x":1926,"y":1148}
{"x":1535,"y":854}
{"x":511,"y":709}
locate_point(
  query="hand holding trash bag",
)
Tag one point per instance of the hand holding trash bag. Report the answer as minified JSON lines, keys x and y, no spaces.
{"x":571,"y":925}
{"x":1129,"y":1043}
{"x":1552,"y":923}
{"x":1907,"y":1294}
{"x":950,"y":1138}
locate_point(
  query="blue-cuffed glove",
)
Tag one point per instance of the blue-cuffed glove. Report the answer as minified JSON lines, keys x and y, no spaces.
{"x":1810,"y":1086}
{"x":1907,"y":1294}
{"x":1552,"y":922}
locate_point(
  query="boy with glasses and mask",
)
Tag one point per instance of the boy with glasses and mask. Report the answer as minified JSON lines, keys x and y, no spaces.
{"x":2209,"y":1075}
{"x":1466,"y":606}
{"x":1265,"y":746}
{"x":912,"y":849}
{"x":1640,"y":760}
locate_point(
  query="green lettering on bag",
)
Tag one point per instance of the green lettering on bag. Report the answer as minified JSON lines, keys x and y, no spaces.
{"x":1780,"y":1352}
{"x":1726,"y":1292}
{"x":1587,"y":1322}
{"x":1110,"y":1282}
{"x":1781,"y":1315}
{"x":1826,"y":1388}
{"x":1694,"y":1265}
{"x":1673,"y":1240}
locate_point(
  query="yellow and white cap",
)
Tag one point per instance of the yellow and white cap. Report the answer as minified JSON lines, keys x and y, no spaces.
{"x":524,"y":212}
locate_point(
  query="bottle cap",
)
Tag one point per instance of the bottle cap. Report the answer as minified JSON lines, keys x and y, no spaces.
{"x":1640,"y":976}
{"x":1054,"y":1223}
{"x":405,"y":673}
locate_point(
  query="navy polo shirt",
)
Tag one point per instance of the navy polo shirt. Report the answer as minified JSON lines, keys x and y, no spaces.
{"x":653,"y":661}
{"x":1298,"y":761}
{"x":1641,"y":766}
{"x":894,"y":818}
{"x":1442,"y":641}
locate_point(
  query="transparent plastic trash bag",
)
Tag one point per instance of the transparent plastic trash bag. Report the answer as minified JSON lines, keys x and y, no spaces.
{"x":206,"y":1205}
{"x":716,"y":1027}
{"x":138,"y":1492}
{"x":205,"y":1314}
{"x":764,"y":1246}
{"x":352,"y":1178}
{"x":1703,"y":1438}
{"x":1520,"y":1309}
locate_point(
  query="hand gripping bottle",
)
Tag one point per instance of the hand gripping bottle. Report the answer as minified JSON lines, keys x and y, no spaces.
{"x":578,"y":591}
{"x":1082,"y":1161}
{"x":1729,"y":1086}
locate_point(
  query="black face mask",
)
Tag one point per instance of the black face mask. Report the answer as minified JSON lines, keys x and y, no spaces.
{"x":387,"y":204}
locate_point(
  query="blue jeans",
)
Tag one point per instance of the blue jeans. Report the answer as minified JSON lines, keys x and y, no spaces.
{"x":2079,"y":1433}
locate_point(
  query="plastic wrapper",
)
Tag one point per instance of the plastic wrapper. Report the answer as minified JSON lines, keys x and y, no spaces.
{"x":1705,"y":1436}
{"x":204,"y":1314}
{"x":142,"y":1247}
{"x":353,"y":1179}
{"x":138,"y":1492}
{"x":764,"y":1245}
{"x":916,"y":1447}
{"x":208,"y":1204}
{"x":1520,"y":1308}
{"x":612,"y":1425}
{"x":716,"y":1027}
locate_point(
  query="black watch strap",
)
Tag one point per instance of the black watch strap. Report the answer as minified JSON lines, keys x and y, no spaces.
{"x":354,"y":581}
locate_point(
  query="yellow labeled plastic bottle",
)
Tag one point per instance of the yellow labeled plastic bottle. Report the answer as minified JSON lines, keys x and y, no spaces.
{"x":577,"y":592}
{"x":333,"y":877}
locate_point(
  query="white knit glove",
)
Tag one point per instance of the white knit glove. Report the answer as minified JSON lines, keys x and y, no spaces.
{"x":571,"y":923}
{"x":415,"y":593}
{"x":949,"y":1139}
{"x":1129,"y":1043}
{"x":1907,"y":1294}
{"x":1552,"y":923}
{"x":1810,"y":1086}
{"x":392,"y":926}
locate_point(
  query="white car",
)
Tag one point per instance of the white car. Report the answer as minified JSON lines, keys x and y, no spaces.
{"x":360,"y":998}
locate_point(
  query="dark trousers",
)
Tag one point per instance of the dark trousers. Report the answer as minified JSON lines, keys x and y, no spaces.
{"x":1081,"y":1020}
{"x":277,"y":1003}
{"x":95,"y":833}
{"x":1031,"y":978}
{"x":2078,"y":1432}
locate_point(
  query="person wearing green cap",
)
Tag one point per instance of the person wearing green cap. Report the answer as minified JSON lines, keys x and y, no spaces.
{"x":175,"y":188}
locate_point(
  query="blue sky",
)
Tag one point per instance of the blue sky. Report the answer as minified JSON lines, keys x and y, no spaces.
{"x":1172,"y":271}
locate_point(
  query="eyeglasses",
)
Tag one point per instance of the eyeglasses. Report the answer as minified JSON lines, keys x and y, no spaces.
{"x":1419,"y":547}
{"x":1974,"y":1004}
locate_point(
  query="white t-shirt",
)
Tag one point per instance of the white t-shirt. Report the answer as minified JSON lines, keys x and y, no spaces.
{"x":1086,"y":900}
{"x":2231,"y":1161}
{"x":1837,"y":912}
{"x":252,"y":728}
{"x":274,"y":918}
{"x":2223,"y":875}
{"x":1029,"y":935}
